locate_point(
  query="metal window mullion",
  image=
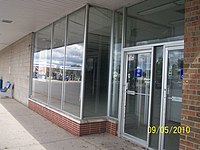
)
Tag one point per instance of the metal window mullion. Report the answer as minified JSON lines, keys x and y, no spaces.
{"x":120,"y":107}
{"x":125,"y":58}
{"x":49,"y":82}
{"x":163,"y":97}
{"x":124,"y":27}
{"x":33,"y":46}
{"x":111,"y":65}
{"x":150,"y":97}
{"x":84,"y":60}
{"x":64,"y":63}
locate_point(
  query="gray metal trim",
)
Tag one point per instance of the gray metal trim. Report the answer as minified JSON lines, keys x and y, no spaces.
{"x":145,"y":50}
{"x":163,"y":97}
{"x":33,"y":45}
{"x":120,"y":108}
{"x":63,"y":82}
{"x":49,"y":82}
{"x":162,"y":91}
{"x":123,"y":92}
{"x":84,"y":61}
{"x":150,"y":95}
{"x":124,"y":22}
{"x":167,"y":44}
{"x":111,"y":65}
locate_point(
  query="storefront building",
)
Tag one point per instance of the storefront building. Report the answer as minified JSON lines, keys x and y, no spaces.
{"x":132,"y":72}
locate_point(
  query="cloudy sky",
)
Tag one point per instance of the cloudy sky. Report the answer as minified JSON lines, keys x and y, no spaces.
{"x":74,"y":56}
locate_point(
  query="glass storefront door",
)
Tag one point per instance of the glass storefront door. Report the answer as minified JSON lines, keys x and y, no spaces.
{"x":138,"y":77}
{"x":173,"y":96}
{"x":153,"y":95}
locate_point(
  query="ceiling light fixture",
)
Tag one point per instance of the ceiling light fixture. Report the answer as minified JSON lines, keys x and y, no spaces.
{"x":7,"y":21}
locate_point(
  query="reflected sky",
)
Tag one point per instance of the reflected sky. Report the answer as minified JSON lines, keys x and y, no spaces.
{"x":74,"y":56}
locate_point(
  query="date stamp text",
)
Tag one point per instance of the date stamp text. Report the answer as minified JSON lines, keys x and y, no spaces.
{"x":168,"y":130}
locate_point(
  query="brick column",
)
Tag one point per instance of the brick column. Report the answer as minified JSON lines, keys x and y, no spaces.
{"x":191,"y":83}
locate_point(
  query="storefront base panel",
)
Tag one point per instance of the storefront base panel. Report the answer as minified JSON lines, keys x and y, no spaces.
{"x":72,"y":125}
{"x":111,"y":127}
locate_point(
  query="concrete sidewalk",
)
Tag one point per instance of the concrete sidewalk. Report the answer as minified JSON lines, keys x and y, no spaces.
{"x":23,"y":129}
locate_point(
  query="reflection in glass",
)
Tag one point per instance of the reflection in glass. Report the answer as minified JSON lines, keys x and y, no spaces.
{"x":116,"y":60}
{"x":41,"y":64}
{"x":97,"y":62}
{"x":154,"y":21}
{"x":174,"y":97}
{"x":58,"y":57}
{"x":73,"y":65}
{"x":137,"y":97}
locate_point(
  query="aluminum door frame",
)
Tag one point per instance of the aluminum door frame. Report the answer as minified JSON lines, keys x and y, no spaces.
{"x":126,"y":52}
{"x":121,"y":115}
{"x":163,"y":111}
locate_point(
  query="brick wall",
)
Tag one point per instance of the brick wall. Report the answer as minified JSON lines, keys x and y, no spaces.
{"x":15,"y":66}
{"x":111,"y":128}
{"x":191,"y":82}
{"x":75,"y":127}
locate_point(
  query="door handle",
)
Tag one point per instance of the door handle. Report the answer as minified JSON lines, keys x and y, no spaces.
{"x":131,"y":92}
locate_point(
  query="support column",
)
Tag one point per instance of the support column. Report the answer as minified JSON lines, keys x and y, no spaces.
{"x":190,"y":115}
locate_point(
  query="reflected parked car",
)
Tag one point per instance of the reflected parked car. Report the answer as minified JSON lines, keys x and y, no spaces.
{"x":66,"y":77}
{"x":41,"y":76}
{"x":34,"y":75}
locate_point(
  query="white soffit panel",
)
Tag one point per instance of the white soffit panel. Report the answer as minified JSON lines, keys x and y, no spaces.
{"x":31,"y":15}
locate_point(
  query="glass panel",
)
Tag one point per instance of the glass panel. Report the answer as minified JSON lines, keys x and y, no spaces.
{"x":156,"y":94}
{"x":58,"y":57}
{"x":174,"y":97}
{"x":137,"y":94}
{"x":155,"y":21}
{"x":116,"y":60}
{"x":97,"y":62}
{"x":41,"y":64}
{"x":74,"y":59}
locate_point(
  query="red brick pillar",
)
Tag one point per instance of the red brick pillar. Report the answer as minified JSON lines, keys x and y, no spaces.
{"x":191,"y":82}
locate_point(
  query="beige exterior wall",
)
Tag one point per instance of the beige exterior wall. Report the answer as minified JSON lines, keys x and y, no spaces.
{"x":15,"y":67}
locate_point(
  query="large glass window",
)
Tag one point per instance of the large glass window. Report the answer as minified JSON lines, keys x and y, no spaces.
{"x":57,"y":69}
{"x":97,"y":62}
{"x":57,"y":63}
{"x":41,"y":64}
{"x":74,"y":59}
{"x":154,"y":21}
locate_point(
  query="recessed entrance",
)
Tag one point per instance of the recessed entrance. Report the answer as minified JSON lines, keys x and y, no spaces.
{"x":152,"y":93}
